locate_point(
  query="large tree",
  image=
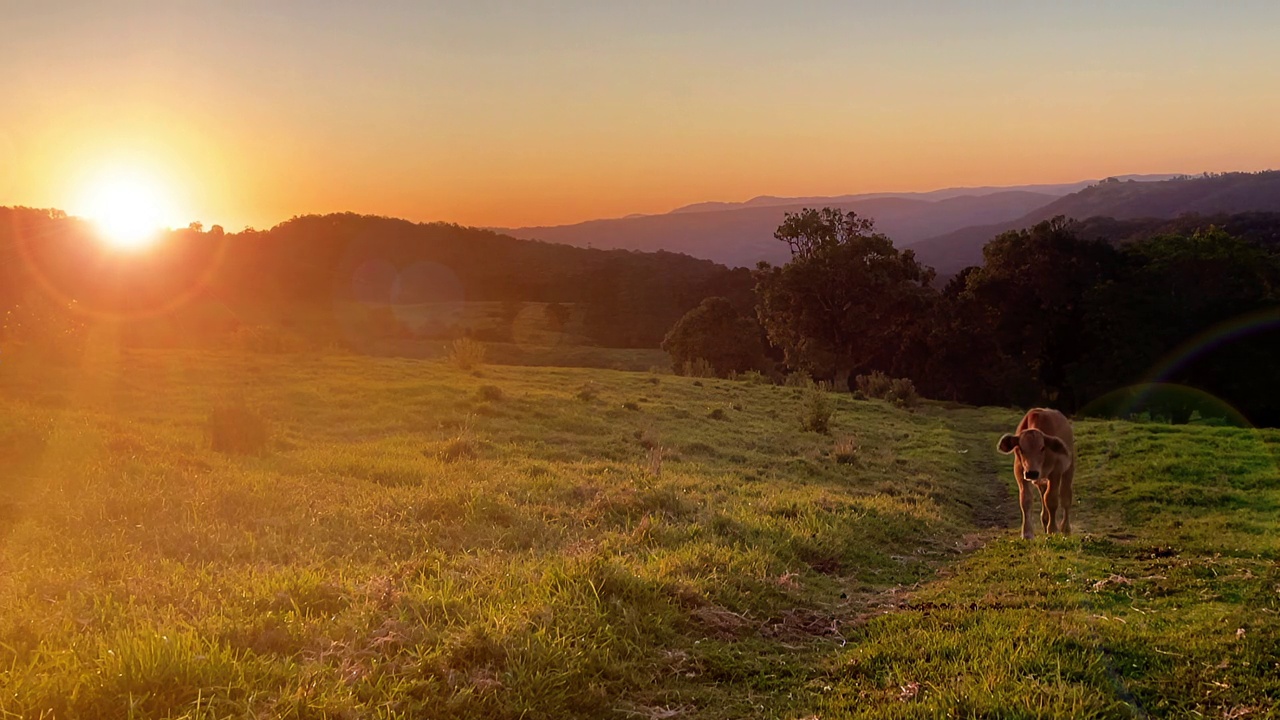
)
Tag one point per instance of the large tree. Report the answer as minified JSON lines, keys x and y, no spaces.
{"x":848,"y":298}
{"x":717,"y":333}
{"x":1032,"y":290}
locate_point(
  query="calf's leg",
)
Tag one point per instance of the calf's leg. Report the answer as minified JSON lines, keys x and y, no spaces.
{"x":1066,"y":496}
{"x":1024,"y":500}
{"x":1049,"y":500}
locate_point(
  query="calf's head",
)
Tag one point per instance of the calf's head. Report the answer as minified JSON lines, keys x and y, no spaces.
{"x":1034,"y":449}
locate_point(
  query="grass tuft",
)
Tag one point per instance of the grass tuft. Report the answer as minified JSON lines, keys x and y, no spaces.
{"x":467,"y":354}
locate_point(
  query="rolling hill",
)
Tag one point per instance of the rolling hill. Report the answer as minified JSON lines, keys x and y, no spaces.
{"x":1123,"y":200}
{"x":743,"y":236}
{"x":741,"y":233}
{"x":1055,"y":189}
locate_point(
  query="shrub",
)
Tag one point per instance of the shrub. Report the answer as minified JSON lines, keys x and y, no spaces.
{"x":902,"y":392}
{"x":798,"y":379}
{"x":466,"y":354}
{"x":489,"y":393}
{"x":754,"y":377}
{"x":898,"y":391}
{"x":876,"y":385}
{"x":238,"y":429}
{"x":698,"y":368}
{"x":817,"y":411}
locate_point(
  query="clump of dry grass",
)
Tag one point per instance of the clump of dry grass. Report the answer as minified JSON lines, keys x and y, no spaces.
{"x":466,"y":354}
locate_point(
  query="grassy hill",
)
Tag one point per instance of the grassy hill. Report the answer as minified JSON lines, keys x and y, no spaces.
{"x":413,"y":540}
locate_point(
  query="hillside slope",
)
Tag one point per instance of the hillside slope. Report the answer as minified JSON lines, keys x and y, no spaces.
{"x":1123,"y":200}
{"x":415,"y":541}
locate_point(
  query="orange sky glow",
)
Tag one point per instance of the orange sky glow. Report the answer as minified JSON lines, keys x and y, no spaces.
{"x":554,"y":112}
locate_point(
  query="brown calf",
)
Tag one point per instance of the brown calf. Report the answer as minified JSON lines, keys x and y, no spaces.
{"x":1044,"y":455}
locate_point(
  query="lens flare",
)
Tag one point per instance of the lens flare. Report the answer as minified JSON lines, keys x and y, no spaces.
{"x":1214,"y":337}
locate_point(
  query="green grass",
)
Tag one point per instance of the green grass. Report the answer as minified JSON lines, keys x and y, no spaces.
{"x":419,"y":541}
{"x":1165,"y":605}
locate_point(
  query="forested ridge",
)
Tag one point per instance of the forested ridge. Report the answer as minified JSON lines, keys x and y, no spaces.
{"x":1068,"y":313}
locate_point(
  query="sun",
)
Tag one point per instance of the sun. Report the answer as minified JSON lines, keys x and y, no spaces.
{"x":129,"y":208}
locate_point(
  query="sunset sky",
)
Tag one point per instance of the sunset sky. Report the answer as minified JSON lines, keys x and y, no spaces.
{"x":524,"y":113}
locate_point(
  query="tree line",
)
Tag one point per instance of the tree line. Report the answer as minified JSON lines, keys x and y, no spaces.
{"x":1063,"y":313}
{"x":302,"y":267}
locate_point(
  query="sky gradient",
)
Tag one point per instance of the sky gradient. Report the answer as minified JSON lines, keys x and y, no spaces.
{"x":507,"y":114}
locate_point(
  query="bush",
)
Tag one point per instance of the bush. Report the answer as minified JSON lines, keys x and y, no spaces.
{"x":238,"y":429}
{"x":798,"y":379}
{"x":753,"y":377}
{"x":466,"y":354}
{"x":817,"y":411}
{"x":903,"y":393}
{"x":898,"y":391}
{"x":876,"y":385}
{"x":698,"y":368}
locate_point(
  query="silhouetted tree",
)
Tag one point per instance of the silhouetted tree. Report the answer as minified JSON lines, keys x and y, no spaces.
{"x":847,"y":299}
{"x":1031,"y":291}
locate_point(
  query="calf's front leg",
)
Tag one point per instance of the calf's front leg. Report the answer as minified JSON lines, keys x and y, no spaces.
{"x":1024,"y":501}
{"x":1049,"y":499}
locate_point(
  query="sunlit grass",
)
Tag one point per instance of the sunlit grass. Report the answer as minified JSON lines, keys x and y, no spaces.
{"x":413,"y":540}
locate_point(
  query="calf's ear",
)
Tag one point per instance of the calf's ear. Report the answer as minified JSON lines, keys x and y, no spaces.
{"x":1007,"y":444}
{"x":1055,"y":444}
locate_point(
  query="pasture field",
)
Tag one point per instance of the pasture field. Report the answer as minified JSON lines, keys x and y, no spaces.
{"x":412,"y":540}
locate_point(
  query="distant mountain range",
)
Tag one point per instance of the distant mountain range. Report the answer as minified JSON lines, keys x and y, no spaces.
{"x":1228,"y":193}
{"x":741,"y":234}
